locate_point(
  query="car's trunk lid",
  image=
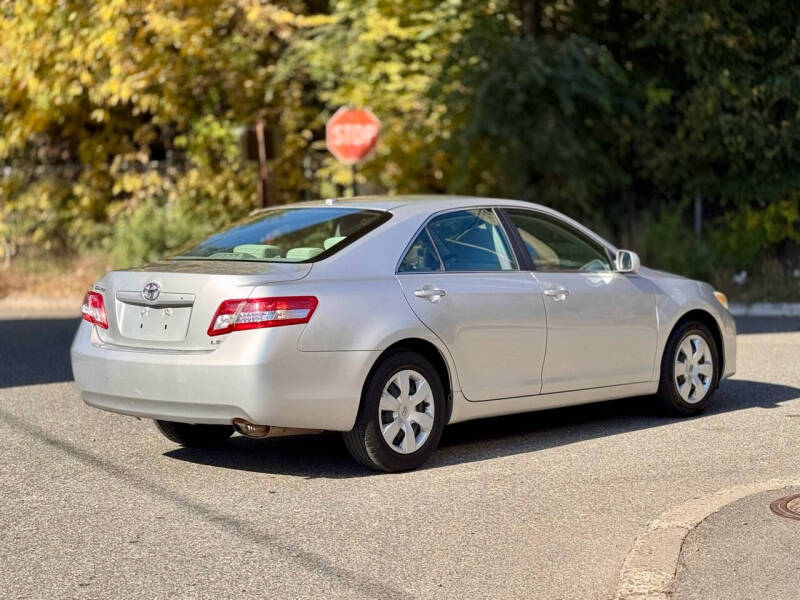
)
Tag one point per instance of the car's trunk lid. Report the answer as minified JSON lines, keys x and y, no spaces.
{"x":169,"y":305}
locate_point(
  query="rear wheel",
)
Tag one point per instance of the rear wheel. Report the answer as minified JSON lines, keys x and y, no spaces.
{"x":689,"y":370}
{"x":401,"y":417}
{"x":194,"y":435}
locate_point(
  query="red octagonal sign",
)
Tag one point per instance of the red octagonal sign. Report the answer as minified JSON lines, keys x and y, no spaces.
{"x":351,"y":134}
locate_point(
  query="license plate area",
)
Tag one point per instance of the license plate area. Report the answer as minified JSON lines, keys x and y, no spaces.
{"x":154,"y":323}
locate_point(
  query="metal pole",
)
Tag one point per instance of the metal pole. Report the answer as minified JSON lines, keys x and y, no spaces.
{"x":698,"y":215}
{"x":355,"y":180}
{"x":263,"y":171}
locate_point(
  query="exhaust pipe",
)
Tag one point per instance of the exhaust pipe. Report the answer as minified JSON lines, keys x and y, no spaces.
{"x":251,"y":430}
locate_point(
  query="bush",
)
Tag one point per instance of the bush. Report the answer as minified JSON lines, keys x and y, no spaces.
{"x":154,"y":228}
{"x":743,"y":238}
{"x":671,"y":244}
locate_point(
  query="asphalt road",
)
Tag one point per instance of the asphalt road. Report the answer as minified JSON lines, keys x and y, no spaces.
{"x":545,"y":505}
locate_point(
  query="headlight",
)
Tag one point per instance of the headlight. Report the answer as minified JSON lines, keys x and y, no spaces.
{"x":721,"y":298}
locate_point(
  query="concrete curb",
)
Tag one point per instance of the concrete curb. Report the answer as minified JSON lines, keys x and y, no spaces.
{"x":765,"y":309}
{"x":648,"y":572}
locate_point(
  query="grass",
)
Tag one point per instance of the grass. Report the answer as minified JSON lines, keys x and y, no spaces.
{"x":51,"y":277}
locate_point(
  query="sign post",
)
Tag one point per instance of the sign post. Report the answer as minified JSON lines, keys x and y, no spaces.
{"x":350,"y":135}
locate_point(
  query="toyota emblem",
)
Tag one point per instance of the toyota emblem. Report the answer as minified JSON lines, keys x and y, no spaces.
{"x":151,"y":291}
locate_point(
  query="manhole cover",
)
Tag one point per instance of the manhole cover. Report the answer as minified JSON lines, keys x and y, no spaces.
{"x":788,"y":507}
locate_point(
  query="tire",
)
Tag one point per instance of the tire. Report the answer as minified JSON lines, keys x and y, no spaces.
{"x":367,"y":443}
{"x":194,"y":436}
{"x":702,"y":385}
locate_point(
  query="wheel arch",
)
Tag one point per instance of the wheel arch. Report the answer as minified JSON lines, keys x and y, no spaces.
{"x":707,"y":319}
{"x":431,"y":353}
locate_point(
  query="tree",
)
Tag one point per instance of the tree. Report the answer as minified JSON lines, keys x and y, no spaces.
{"x":116,"y":103}
{"x":722,"y":100}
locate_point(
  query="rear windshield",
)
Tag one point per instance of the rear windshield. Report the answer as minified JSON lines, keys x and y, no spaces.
{"x":287,"y":235}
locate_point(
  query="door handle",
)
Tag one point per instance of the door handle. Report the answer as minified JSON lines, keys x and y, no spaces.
{"x":430,"y":292}
{"x":558,"y":294}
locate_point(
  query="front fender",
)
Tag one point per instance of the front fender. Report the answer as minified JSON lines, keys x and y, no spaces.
{"x":678,"y":297}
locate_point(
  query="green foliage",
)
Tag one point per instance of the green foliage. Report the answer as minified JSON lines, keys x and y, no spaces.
{"x":723,"y":101}
{"x":541,"y":116}
{"x":154,"y":229}
{"x":107,"y":105}
{"x":670,"y":244}
{"x":747,"y":240}
{"x":742,"y":238}
{"x":386,"y":55}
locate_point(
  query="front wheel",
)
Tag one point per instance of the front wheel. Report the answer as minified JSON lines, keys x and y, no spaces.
{"x":194,"y":435}
{"x":401,"y":416}
{"x":690,"y":370}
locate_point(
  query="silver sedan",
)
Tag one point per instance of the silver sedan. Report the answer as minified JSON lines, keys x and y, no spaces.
{"x":387,"y":318}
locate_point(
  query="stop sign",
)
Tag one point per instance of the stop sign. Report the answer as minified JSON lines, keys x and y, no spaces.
{"x":351,"y":134}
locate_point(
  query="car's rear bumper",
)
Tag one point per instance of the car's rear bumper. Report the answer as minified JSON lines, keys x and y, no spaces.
{"x":257,"y":375}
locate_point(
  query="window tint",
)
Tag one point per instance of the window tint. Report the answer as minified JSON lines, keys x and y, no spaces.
{"x":471,"y":240}
{"x":421,"y":257}
{"x":287,"y":235}
{"x":555,"y":246}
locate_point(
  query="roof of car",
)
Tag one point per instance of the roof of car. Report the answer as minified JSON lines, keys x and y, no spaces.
{"x":414,"y":203}
{"x":411,"y":205}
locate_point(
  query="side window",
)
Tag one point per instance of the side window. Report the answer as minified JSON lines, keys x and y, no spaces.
{"x":555,"y":246}
{"x":472,"y":240}
{"x":421,"y":257}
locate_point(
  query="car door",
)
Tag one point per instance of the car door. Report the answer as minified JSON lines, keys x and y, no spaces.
{"x":462,"y":280}
{"x":601,"y":325}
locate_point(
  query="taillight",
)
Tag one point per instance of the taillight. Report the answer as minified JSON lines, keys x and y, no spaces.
{"x":94,"y":309}
{"x":255,"y":313}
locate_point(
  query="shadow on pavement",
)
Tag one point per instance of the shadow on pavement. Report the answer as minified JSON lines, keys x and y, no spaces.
{"x":504,"y":436}
{"x":325,"y":456}
{"x":35,"y":351}
{"x":309,"y":456}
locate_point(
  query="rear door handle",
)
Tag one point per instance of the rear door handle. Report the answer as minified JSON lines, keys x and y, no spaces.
{"x":558,"y":294}
{"x":430,"y":292}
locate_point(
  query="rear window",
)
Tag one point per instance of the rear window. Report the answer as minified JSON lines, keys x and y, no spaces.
{"x":287,"y":235}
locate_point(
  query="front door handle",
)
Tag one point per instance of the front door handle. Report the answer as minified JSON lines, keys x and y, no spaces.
{"x":430,"y":292}
{"x":558,"y":294}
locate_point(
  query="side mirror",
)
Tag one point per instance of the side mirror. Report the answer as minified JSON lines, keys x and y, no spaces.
{"x":627,"y":261}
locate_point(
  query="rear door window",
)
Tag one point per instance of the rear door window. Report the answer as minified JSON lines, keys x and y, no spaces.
{"x":471,"y":240}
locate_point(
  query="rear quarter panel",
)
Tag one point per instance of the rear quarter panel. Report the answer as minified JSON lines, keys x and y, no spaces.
{"x":361,"y":304}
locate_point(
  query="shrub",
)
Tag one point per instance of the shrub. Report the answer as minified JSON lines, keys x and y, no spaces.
{"x":671,"y":244}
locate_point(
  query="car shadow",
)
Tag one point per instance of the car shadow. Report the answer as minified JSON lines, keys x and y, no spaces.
{"x":308,"y":456}
{"x":325,"y":456}
{"x":35,"y":351}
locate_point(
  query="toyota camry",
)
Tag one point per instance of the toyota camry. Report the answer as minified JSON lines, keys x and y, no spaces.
{"x":388,"y":318}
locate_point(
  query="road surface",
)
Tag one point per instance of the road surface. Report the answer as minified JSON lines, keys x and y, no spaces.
{"x":545,"y":505}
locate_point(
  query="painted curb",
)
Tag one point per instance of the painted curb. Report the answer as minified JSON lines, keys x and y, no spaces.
{"x":765,"y":309}
{"x":648,"y":572}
